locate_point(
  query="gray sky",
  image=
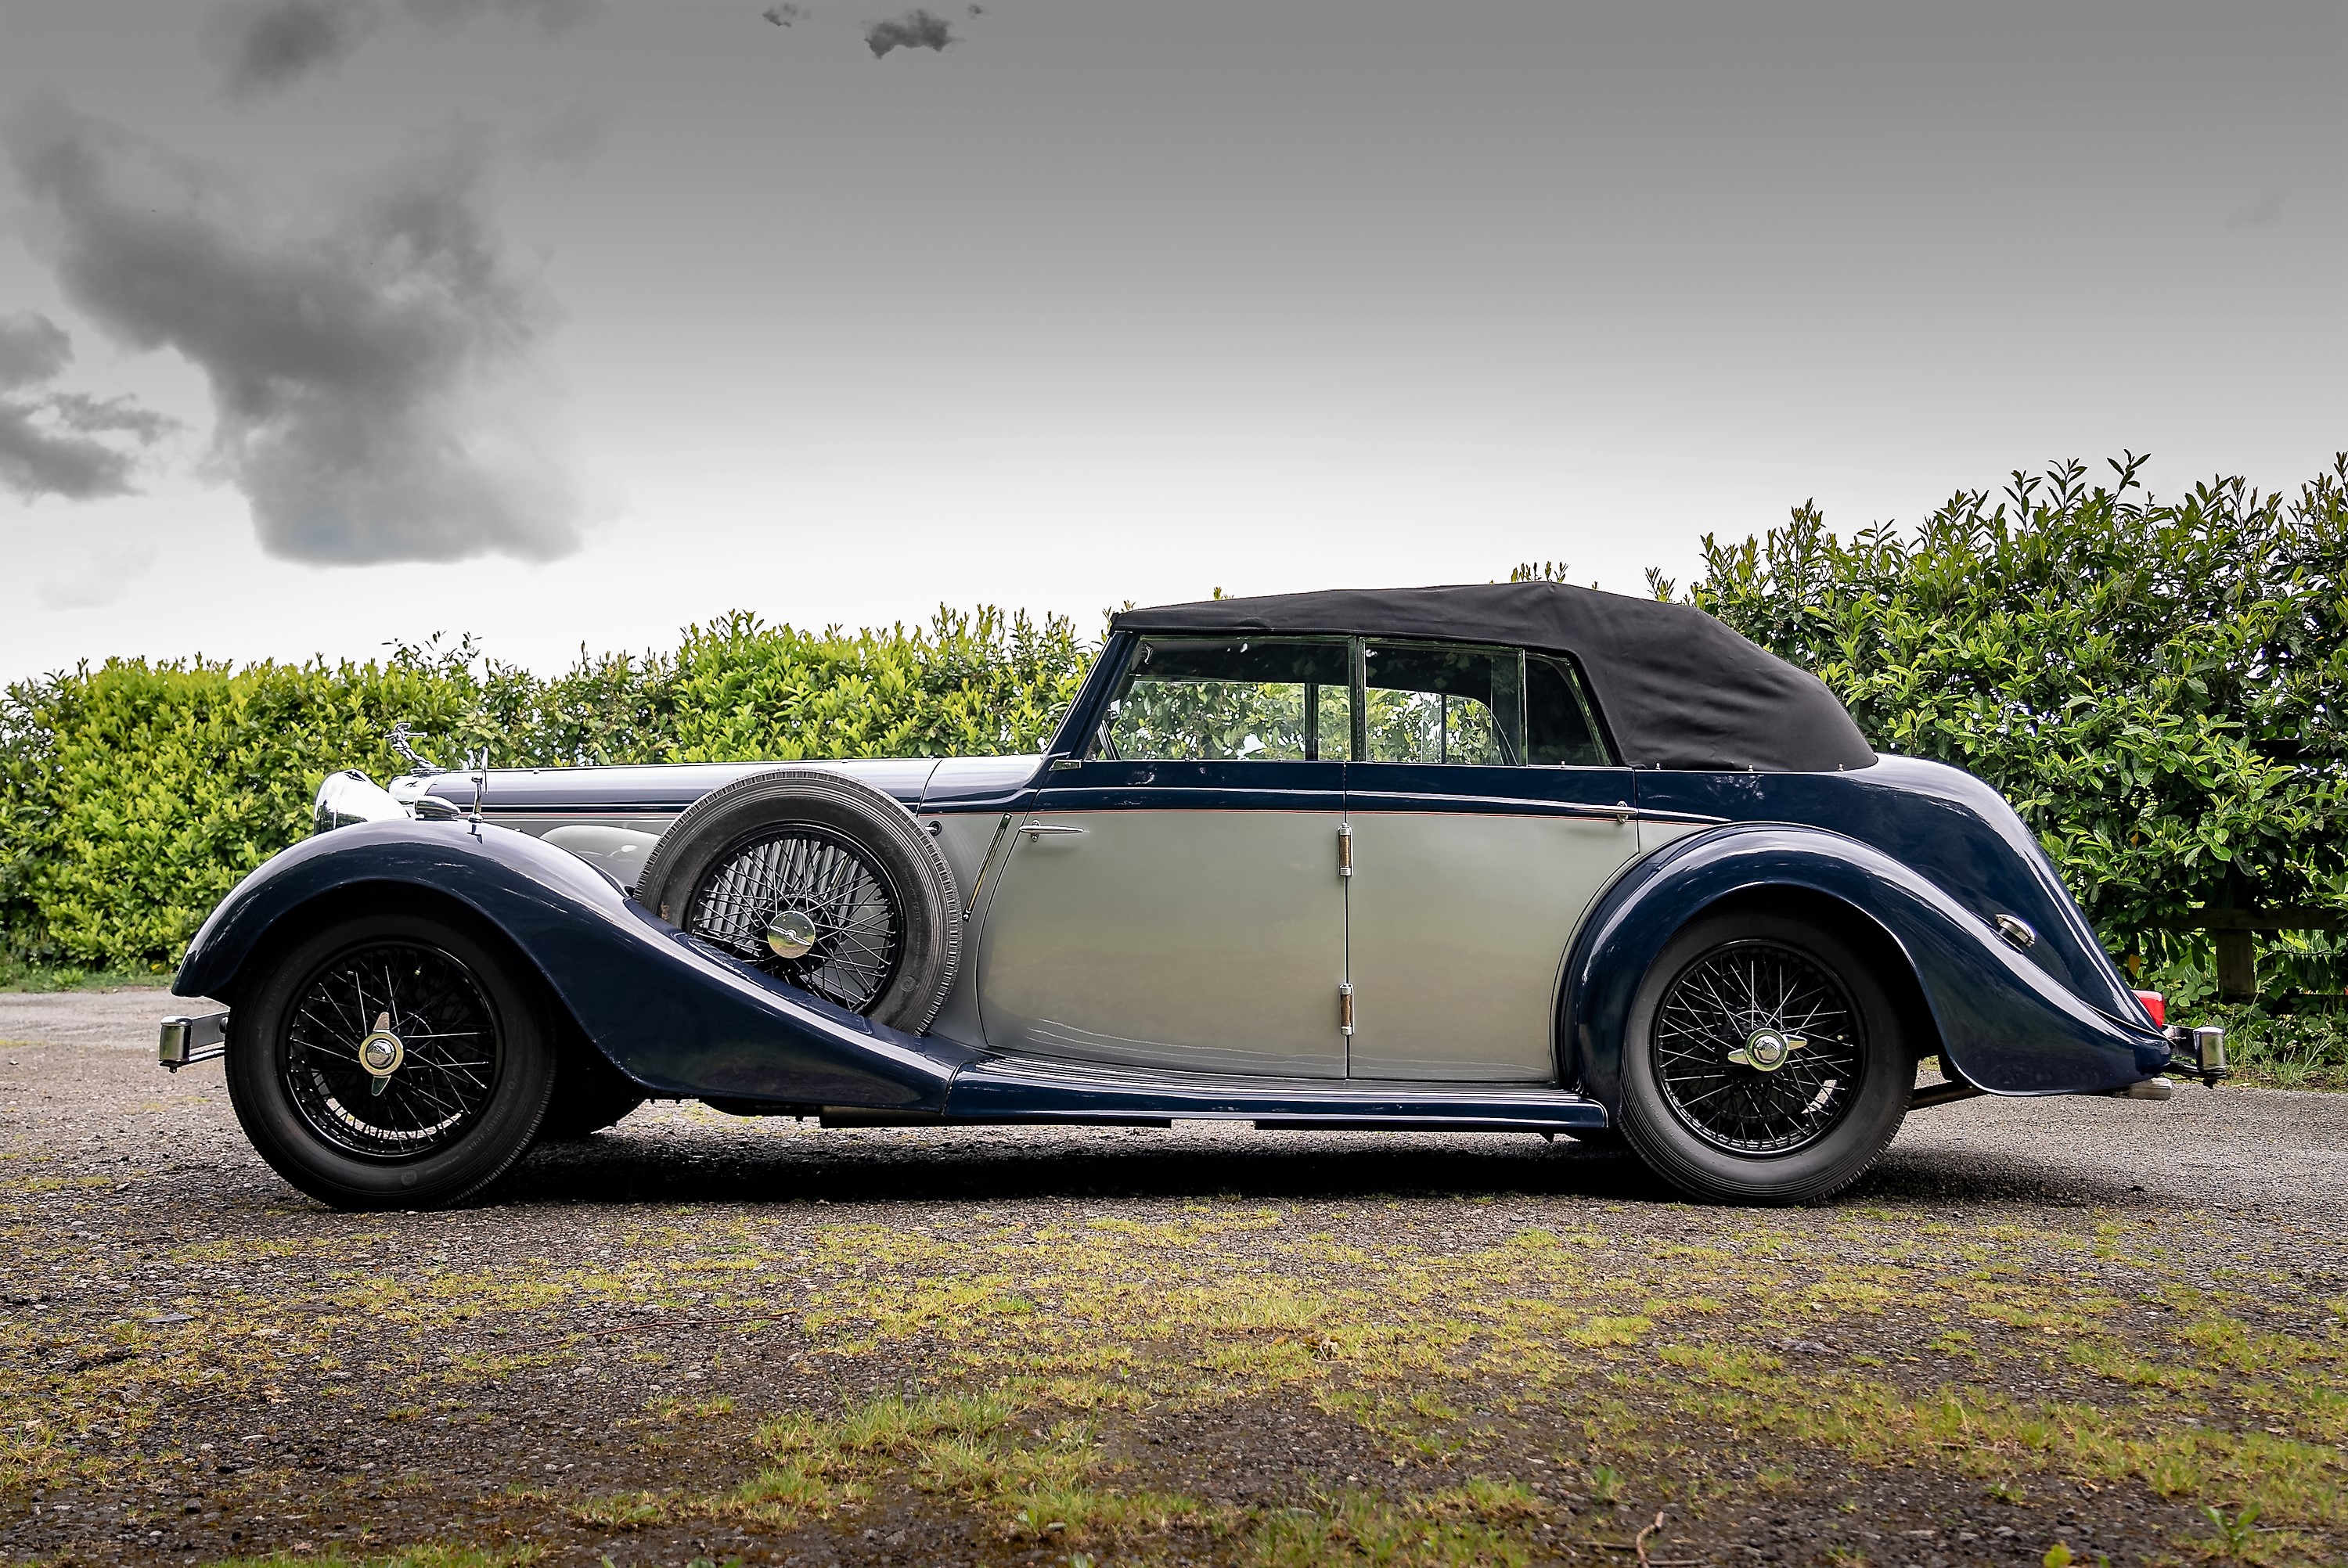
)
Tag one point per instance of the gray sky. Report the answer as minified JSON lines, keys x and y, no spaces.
{"x":329,"y":322}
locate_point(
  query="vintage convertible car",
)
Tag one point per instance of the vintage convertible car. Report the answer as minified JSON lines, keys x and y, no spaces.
{"x":1514,"y":857}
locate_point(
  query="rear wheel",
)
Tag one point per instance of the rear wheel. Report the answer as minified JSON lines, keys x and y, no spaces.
{"x":1765,"y":1061}
{"x":389,"y":1061}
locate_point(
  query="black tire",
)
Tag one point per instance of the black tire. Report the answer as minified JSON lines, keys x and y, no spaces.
{"x":469,"y":1064}
{"x":1701,"y":1103}
{"x":880,"y":916}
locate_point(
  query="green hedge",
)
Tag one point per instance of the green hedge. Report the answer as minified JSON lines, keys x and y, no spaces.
{"x":2157,"y":686}
{"x":134,"y":795}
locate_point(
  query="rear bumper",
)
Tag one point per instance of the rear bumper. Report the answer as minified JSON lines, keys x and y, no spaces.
{"x":2197,"y":1052}
{"x":197,"y":1037}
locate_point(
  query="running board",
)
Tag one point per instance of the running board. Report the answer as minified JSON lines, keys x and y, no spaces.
{"x":1039,"y":1088}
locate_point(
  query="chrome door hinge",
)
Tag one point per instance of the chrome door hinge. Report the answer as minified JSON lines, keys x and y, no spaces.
{"x":1344,"y":849}
{"x":1345,"y":1007}
{"x":985,"y":867}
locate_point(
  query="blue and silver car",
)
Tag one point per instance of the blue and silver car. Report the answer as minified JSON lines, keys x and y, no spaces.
{"x":1520,"y":857}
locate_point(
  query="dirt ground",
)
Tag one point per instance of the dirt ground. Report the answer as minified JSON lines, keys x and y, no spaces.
{"x":2068,"y":1331}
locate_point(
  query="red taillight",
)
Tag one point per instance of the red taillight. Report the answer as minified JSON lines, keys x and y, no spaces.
{"x":2156,"y":1007}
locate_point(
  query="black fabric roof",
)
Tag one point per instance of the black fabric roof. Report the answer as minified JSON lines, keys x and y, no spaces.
{"x":1677,"y":688}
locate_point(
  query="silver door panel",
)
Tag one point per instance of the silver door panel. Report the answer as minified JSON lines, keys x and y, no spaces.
{"x":1460,"y":929}
{"x":1204,"y":941}
{"x":1653,"y":836}
{"x":963,"y":837}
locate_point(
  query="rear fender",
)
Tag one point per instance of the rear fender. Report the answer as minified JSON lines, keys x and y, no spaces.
{"x":677,"y":1017}
{"x":2006,"y":1024}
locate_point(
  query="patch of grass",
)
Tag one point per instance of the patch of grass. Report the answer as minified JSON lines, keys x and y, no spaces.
{"x":406,"y":1557}
{"x":1038,"y":1483}
{"x":624,"y":1509}
{"x":2279,"y":1049}
{"x":1465,"y":1527}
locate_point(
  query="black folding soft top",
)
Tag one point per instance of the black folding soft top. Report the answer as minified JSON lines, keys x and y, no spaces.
{"x":1678,"y":689}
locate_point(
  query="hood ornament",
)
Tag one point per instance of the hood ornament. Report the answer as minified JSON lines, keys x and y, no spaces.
{"x":403,"y":740}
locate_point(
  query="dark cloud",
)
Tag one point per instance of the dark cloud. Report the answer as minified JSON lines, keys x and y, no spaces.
{"x":784,"y":16}
{"x":110,"y":415}
{"x":360,"y":349}
{"x":35,"y":461}
{"x":264,"y":46}
{"x":46,"y":445}
{"x":33,"y":349}
{"x":913,"y":30}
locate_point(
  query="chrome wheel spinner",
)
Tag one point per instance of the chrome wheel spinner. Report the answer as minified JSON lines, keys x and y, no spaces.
{"x":1767,"y":1050}
{"x":791,"y":934}
{"x":381,"y":1052}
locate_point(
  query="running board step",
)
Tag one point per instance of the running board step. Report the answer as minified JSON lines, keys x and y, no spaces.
{"x":1038,"y":1088}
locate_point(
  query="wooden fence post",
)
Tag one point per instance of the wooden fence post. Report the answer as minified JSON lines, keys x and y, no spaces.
{"x":2230,"y":933}
{"x":2237,"y":965}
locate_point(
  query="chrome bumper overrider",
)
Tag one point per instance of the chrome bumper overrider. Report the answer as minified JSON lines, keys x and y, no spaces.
{"x":2198,"y":1052}
{"x":188,"y":1040}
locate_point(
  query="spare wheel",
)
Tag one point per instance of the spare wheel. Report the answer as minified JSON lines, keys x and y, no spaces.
{"x":821,"y":882}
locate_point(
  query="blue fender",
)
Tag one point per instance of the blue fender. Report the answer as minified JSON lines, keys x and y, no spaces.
{"x":2009,"y":1026}
{"x":676,"y":1017}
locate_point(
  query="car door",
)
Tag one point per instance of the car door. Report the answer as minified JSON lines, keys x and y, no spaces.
{"x":1486,"y":815}
{"x":1174,"y":899}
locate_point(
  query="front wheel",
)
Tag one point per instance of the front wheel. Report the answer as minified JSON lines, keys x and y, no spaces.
{"x":1765,"y":1062}
{"x":389,"y":1061}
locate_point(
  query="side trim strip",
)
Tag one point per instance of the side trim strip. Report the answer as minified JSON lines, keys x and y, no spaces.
{"x":1034,"y":1089}
{"x":1431,"y":805}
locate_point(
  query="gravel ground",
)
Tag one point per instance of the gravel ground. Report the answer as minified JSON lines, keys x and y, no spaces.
{"x":2078,"y":1327}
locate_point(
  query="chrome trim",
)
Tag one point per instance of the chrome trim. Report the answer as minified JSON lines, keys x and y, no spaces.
{"x":351,"y":797}
{"x":2199,"y":1051}
{"x":190,"y":1039}
{"x":2018,"y":932}
{"x":403,"y":740}
{"x":1436,"y":803}
{"x":1038,"y":829}
{"x":791,"y":934}
{"x":985,"y":866}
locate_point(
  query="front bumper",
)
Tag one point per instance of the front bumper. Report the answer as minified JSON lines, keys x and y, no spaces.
{"x":198,"y":1036}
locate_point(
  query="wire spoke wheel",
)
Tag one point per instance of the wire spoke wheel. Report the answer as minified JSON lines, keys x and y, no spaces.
{"x":1758,"y":1049}
{"x":394,"y":1051}
{"x":809,"y":907}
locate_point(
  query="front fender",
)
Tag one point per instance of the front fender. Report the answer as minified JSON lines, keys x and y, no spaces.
{"x":2006,"y":1024}
{"x":677,"y":1017}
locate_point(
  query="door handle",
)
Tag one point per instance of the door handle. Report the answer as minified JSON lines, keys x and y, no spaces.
{"x":1038,"y":829}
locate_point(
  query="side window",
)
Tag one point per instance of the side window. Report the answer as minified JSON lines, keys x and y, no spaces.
{"x":1231,"y":699}
{"x":1435,"y":703}
{"x":1560,"y":723}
